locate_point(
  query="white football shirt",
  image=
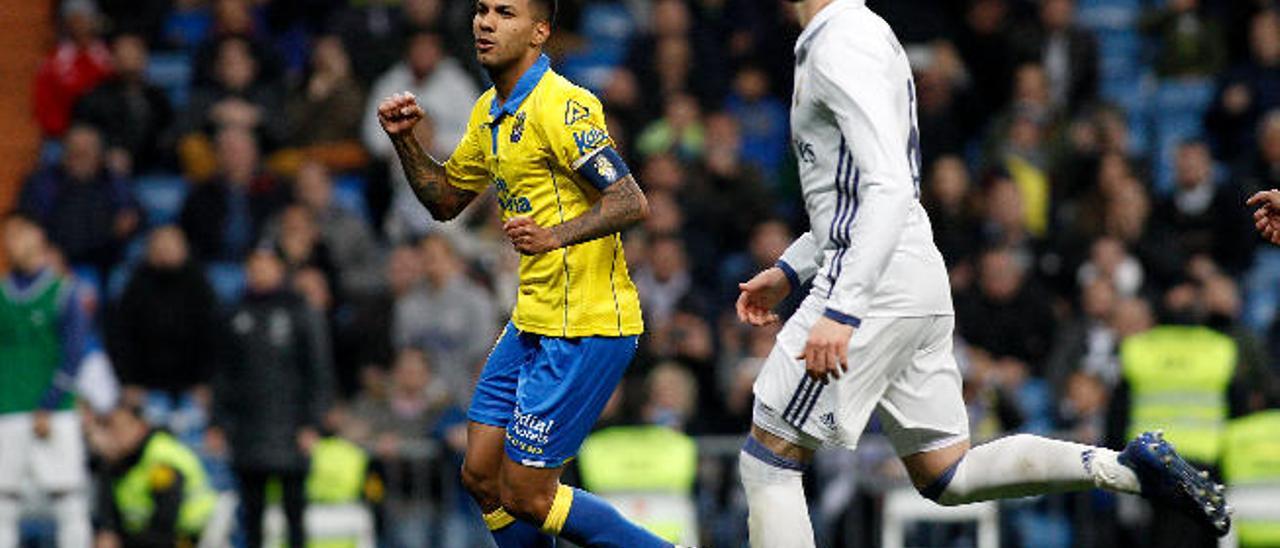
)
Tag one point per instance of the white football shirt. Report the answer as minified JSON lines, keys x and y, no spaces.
{"x":870,"y":250}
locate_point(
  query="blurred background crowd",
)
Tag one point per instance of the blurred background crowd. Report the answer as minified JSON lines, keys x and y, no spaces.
{"x":210,"y":167}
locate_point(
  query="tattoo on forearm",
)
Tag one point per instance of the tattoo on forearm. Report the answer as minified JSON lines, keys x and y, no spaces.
{"x":621,"y":205}
{"x":427,"y":180}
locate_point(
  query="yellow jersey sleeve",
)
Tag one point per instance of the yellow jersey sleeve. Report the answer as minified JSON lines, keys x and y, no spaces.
{"x":581,"y":139}
{"x":466,"y":167}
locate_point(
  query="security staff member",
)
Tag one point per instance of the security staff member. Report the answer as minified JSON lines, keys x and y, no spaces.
{"x":155,"y":492}
{"x":1251,"y":463}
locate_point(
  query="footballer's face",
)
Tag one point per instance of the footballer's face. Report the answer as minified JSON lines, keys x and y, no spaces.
{"x":506,"y":31}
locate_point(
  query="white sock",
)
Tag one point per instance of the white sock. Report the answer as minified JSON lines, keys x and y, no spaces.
{"x":72,"y":511}
{"x":10,"y":509}
{"x":1023,"y":465}
{"x":778,"y":515}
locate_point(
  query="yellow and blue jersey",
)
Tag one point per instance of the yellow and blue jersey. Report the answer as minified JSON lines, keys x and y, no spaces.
{"x":548,"y":153}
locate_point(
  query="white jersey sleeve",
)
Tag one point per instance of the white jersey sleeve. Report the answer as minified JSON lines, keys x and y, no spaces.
{"x":864,"y":83}
{"x":800,"y":261}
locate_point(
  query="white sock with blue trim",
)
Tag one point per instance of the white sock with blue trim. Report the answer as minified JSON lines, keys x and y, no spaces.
{"x":778,"y":514}
{"x":1023,"y":465}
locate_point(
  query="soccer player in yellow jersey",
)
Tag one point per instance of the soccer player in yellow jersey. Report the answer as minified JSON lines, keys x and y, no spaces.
{"x":564,"y":194}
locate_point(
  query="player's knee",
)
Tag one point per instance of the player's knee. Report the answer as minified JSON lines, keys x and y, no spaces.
{"x":527,"y":503}
{"x":482,"y":485}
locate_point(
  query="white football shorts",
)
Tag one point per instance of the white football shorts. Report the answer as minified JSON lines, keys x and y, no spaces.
{"x":902,"y":368}
{"x":55,"y":464}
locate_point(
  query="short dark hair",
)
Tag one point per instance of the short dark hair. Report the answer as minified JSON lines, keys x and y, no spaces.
{"x":549,"y":8}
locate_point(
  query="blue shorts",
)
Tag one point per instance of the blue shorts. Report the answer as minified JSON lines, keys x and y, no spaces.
{"x":547,"y":392}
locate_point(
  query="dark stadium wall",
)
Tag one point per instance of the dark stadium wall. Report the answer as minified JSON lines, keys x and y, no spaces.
{"x":28,"y":33}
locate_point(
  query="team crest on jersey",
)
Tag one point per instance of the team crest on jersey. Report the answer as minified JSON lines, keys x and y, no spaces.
{"x":517,"y":131}
{"x":605,"y":168}
{"x":574,"y":111}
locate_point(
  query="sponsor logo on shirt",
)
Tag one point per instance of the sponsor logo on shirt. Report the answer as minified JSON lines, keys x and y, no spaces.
{"x":574,"y":111}
{"x":589,"y":140}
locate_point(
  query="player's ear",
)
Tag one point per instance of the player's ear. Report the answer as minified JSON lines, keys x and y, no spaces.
{"x":541,"y":32}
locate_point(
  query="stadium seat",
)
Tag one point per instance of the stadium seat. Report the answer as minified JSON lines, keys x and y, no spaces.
{"x":348,"y":192}
{"x":161,"y":197}
{"x":172,"y":73}
{"x":227,"y":280}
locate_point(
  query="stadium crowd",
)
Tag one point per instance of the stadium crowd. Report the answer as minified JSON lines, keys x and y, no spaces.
{"x":211,"y":164}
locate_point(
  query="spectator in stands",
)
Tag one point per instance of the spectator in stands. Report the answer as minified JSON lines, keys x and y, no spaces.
{"x":1261,"y":170}
{"x":271,"y":394}
{"x":1248,"y":90}
{"x":238,"y":98}
{"x":456,"y":340}
{"x":679,"y":132}
{"x":1127,"y":216}
{"x":88,"y":212}
{"x":164,"y":329}
{"x":131,"y":113}
{"x":949,"y":200}
{"x":325,"y":110}
{"x":415,"y":408}
{"x":1110,"y":262}
{"x":350,"y":242}
{"x":1191,"y":43}
{"x":79,"y":62}
{"x":985,"y":44}
{"x":942,"y":93}
{"x":1007,"y":315}
{"x":672,"y":397}
{"x":722,"y":201}
{"x":234,"y":20}
{"x":375,"y":32}
{"x":1087,"y":342}
{"x":768,"y":241}
{"x":300,"y":245}
{"x":1206,"y":216}
{"x":222,"y":217}
{"x":762,"y":120}
{"x":414,"y":401}
{"x":364,"y":339}
{"x":665,"y":281}
{"x":1006,"y":223}
{"x":1068,"y":53}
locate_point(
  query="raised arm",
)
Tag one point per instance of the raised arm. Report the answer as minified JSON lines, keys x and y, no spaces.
{"x":398,"y":115}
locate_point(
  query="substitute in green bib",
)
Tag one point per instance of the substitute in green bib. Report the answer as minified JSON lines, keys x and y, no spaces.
{"x":156,"y":492}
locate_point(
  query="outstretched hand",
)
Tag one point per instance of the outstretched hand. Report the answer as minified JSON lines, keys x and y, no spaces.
{"x":1267,"y":217}
{"x":760,"y":295}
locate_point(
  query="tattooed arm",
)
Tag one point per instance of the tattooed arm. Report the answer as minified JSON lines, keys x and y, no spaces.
{"x":398,"y":114}
{"x":620,"y":206}
{"x":428,"y":181}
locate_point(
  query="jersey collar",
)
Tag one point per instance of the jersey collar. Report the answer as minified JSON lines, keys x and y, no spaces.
{"x":524,"y":86}
{"x":824,"y":15}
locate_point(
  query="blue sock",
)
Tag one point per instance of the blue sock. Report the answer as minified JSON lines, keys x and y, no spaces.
{"x":509,"y":532}
{"x":587,"y":520}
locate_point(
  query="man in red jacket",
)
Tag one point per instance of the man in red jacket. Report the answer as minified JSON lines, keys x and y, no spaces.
{"x":79,"y":62}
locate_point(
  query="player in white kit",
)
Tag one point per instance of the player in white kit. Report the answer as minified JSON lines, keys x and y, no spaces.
{"x":875,"y":334}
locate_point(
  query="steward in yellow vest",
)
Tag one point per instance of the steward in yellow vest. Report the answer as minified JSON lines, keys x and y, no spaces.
{"x":1177,"y":379}
{"x":1251,"y":460}
{"x":656,"y":461}
{"x":157,"y":492}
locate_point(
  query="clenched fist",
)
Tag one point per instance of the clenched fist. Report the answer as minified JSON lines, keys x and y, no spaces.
{"x":399,"y":113}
